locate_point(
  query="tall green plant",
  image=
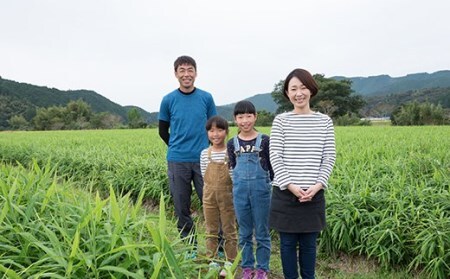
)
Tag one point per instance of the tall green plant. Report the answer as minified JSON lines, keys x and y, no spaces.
{"x":52,"y":229}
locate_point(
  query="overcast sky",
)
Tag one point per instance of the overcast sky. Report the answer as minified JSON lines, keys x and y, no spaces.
{"x":124,"y":50}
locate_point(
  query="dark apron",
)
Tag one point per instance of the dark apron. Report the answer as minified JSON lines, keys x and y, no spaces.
{"x":289,"y":215}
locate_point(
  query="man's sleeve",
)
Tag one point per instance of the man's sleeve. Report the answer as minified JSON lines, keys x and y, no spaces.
{"x":212,"y":108}
{"x":164,"y":131}
{"x":164,"y":113}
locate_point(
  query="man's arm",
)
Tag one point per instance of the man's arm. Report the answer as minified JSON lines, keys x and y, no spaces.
{"x":164,"y":131}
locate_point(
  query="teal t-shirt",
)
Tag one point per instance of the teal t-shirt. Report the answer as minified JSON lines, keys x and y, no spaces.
{"x":187,"y":115}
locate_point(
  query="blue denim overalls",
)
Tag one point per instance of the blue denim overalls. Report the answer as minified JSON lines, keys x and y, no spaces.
{"x":251,"y":198}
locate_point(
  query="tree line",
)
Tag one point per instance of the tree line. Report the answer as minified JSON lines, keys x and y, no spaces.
{"x":77,"y":115}
{"x":335,"y":98}
{"x":418,"y":114}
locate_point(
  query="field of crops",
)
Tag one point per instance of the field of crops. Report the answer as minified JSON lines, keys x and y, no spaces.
{"x":389,"y":195}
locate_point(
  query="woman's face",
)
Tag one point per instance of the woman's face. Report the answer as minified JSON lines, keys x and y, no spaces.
{"x":298,"y":94}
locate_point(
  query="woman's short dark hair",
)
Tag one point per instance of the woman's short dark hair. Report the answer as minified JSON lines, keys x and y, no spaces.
{"x":244,"y":106}
{"x":217,"y":121}
{"x":305,"y":77}
{"x":184,"y":60}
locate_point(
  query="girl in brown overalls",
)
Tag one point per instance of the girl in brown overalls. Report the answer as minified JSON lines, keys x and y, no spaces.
{"x":217,"y":192}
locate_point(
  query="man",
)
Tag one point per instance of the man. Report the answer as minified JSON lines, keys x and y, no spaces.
{"x":184,"y":112}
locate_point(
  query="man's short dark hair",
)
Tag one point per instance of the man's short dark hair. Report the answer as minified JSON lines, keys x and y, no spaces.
{"x":184,"y":60}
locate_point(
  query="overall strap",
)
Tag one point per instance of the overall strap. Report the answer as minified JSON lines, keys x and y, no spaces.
{"x":236,"y":144}
{"x":209,"y":154}
{"x":258,"y":143}
{"x":225,"y":158}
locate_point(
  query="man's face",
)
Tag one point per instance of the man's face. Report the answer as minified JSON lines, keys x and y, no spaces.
{"x":186,"y":75}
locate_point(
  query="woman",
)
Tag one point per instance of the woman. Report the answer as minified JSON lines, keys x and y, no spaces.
{"x":302,"y":154}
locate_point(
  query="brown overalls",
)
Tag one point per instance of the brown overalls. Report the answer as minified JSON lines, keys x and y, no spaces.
{"x":218,"y":208}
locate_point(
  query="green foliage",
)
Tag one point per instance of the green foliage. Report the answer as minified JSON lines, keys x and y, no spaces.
{"x":384,"y":105}
{"x":135,"y":119}
{"x":388,"y":196}
{"x":77,"y":115}
{"x":148,"y":118}
{"x":351,"y":120}
{"x":23,"y":99}
{"x":99,"y":158}
{"x":41,"y":96}
{"x":279,"y":98}
{"x":51,"y":229}
{"x":264,"y":119}
{"x":335,"y":98}
{"x":18,"y":122}
{"x":419,"y":114}
{"x":11,"y":106}
{"x":51,"y":118}
{"x":105,"y":120}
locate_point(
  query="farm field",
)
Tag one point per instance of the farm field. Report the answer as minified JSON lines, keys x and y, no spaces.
{"x":389,"y":195}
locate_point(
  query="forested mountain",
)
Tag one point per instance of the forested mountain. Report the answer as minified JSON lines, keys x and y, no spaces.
{"x":42,"y":96}
{"x":376,"y":105}
{"x":261,"y":102}
{"x":383,"y":105}
{"x":384,"y":84}
{"x":22,"y":98}
{"x":382,"y":93}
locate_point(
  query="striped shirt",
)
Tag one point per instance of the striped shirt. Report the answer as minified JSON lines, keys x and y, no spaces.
{"x":215,"y":156}
{"x":302,"y":149}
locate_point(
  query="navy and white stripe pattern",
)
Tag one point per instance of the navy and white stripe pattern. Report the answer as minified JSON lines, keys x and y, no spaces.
{"x":302,"y":149}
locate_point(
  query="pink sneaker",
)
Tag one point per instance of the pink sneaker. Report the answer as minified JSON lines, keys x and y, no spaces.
{"x":247,"y":273}
{"x":260,"y":274}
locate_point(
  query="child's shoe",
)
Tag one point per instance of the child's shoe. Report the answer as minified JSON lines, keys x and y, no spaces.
{"x":214,"y":266}
{"x":226,"y":267}
{"x":190,"y":255}
{"x":247,"y":273}
{"x":260,"y":274}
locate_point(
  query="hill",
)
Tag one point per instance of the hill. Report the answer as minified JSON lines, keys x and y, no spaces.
{"x":376,"y":105}
{"x":382,"y":93}
{"x":24,"y":98}
{"x":384,"y":84}
{"x":383,"y":105}
{"x":261,"y":101}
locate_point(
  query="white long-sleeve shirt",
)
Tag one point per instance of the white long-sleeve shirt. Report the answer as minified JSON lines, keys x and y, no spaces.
{"x":302,"y":149}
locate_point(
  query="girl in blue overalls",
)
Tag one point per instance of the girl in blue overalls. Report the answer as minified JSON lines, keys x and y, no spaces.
{"x":248,"y":153}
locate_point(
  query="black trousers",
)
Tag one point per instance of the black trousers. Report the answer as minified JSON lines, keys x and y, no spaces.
{"x":181,"y":177}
